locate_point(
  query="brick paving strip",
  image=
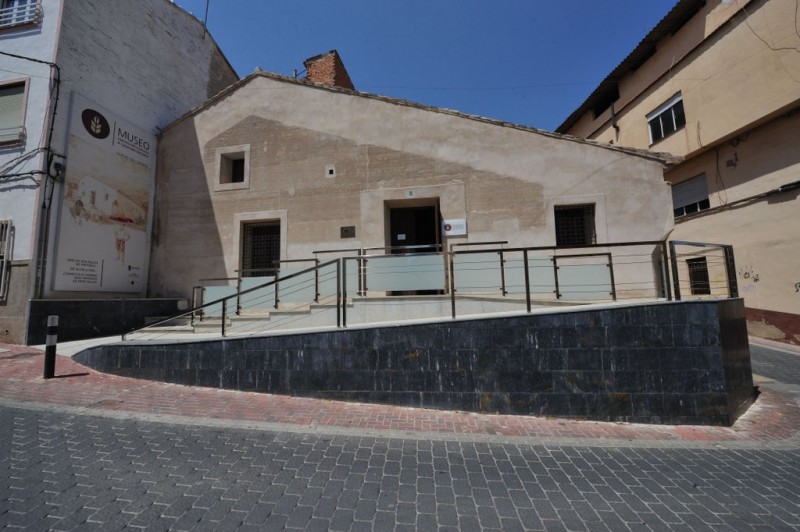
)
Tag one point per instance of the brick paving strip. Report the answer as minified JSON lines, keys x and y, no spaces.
{"x":772,"y":422}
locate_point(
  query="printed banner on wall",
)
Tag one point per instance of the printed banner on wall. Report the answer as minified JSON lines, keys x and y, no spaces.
{"x":102,"y":242}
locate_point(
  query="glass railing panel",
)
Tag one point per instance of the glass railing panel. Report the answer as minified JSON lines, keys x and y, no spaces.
{"x":262,"y":299}
{"x":584,"y":278}
{"x":327,"y":282}
{"x":477,"y":273}
{"x":299,"y":289}
{"x":405,"y":273}
{"x":540,"y":276}
{"x":212,"y":293}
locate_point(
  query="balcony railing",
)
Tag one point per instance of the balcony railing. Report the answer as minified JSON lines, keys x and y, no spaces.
{"x":21,"y":13}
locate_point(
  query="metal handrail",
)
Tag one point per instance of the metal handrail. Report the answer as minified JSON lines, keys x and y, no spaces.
{"x":238,"y":294}
{"x":658,"y":258}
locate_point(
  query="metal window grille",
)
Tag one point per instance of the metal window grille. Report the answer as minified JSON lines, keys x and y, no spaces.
{"x":575,"y":225}
{"x":698,"y":276}
{"x":5,"y":256}
{"x":14,"y":12}
{"x":261,"y":248}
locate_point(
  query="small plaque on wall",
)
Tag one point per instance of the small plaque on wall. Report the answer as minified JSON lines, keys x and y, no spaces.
{"x":348,"y":231}
{"x":455,"y":227}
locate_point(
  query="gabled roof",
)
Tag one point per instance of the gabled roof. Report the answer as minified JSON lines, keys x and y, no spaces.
{"x":666,"y":159}
{"x":607,"y":91}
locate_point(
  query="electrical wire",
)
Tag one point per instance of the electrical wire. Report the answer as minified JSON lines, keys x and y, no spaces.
{"x":760,"y":38}
{"x":722,"y":196}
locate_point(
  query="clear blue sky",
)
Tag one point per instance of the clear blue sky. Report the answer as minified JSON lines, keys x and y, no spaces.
{"x":525,"y":61}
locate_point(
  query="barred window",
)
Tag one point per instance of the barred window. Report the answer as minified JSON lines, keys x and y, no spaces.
{"x":698,"y":276}
{"x":575,"y":225}
{"x":261,"y":248}
{"x":15,"y":12}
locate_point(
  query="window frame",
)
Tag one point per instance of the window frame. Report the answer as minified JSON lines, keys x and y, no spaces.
{"x":699,"y":280}
{"x":247,"y":248}
{"x":223,"y":162}
{"x":32,"y":10}
{"x":692,"y":207}
{"x":20,"y":138}
{"x":667,"y":108}
{"x":565,"y":240}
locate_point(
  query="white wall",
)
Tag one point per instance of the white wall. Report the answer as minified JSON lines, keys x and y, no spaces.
{"x":146,"y":61}
{"x":18,"y":195}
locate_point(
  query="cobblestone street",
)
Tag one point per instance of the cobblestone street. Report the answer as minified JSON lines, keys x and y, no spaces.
{"x":72,"y":467}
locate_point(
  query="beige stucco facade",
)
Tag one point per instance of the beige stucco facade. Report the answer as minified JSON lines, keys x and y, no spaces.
{"x":319,"y":159}
{"x":735,"y":67}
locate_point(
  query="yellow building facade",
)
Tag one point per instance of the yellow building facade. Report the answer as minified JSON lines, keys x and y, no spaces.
{"x":717,"y":83}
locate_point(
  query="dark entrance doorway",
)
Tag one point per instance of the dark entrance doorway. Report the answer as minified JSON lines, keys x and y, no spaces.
{"x":414,"y":226}
{"x":415,"y":229}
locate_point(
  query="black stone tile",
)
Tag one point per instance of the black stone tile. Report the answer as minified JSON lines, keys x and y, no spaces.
{"x":229,"y":379}
{"x":187,"y":377}
{"x":647,"y":405}
{"x":208,"y":377}
{"x":586,"y":359}
{"x":679,"y":405}
{"x":624,"y":336}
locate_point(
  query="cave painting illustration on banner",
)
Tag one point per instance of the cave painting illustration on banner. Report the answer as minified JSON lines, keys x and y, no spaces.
{"x":103,"y":231}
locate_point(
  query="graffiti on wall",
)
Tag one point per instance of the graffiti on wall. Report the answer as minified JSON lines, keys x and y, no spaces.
{"x":750,"y":279}
{"x":748,"y":273}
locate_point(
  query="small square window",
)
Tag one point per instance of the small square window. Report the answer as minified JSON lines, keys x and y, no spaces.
{"x":233,"y":168}
{"x":575,"y":225}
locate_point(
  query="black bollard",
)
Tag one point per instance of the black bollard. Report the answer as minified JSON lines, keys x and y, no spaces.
{"x":50,"y":349}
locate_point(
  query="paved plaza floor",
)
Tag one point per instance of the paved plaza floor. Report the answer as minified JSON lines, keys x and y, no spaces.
{"x":88,"y":450}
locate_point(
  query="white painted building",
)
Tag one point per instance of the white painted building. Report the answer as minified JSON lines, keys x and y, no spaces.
{"x":85,"y":87}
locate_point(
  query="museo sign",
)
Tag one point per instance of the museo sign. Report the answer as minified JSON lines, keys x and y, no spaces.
{"x":103,"y":232}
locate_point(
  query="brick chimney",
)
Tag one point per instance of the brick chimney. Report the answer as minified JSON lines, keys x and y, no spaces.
{"x":328,"y":69}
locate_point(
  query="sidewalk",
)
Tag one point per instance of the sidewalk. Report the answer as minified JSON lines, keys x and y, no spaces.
{"x":772,"y":422}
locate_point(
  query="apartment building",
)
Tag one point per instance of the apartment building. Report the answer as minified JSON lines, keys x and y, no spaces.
{"x":717,"y":82}
{"x":85,"y":86}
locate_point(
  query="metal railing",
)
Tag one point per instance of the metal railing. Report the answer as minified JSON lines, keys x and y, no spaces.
{"x":703,"y":270}
{"x":28,"y":13}
{"x":483,"y":280}
{"x":219,"y":311}
{"x":6,"y":240}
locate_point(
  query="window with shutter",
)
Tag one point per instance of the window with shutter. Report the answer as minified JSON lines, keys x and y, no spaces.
{"x":690,"y":196}
{"x":12,"y":100}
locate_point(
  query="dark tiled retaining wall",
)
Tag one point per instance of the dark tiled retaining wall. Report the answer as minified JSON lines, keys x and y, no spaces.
{"x":79,"y":319}
{"x":676,"y":363}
